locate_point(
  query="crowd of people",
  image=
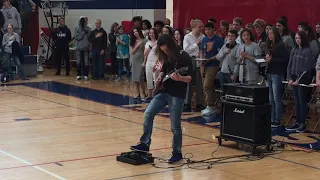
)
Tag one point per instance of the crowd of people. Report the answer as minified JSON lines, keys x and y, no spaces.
{"x":227,"y":52}
{"x":11,"y":54}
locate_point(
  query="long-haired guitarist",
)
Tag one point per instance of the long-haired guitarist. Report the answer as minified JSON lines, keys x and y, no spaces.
{"x":172,"y":93}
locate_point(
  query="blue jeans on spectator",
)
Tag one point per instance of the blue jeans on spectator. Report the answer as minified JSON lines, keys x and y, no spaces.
{"x":120,"y":67}
{"x":15,"y":62}
{"x":82,"y":62}
{"x":274,"y":82}
{"x":301,"y":96}
{"x":158,"y":102}
{"x":98,"y":64}
{"x":224,"y":78}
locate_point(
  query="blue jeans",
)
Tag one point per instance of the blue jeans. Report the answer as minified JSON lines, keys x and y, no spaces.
{"x":82,"y":62}
{"x":15,"y":62}
{"x":158,"y":102}
{"x":98,"y":64}
{"x":120,"y":67}
{"x":301,"y":97}
{"x":274,"y":82}
{"x":224,"y":78}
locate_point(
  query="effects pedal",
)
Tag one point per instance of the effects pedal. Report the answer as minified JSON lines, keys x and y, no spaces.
{"x":135,"y":158}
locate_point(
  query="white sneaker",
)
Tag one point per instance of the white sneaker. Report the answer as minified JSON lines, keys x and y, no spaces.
{"x":78,"y":77}
{"x":86,"y":78}
{"x":208,"y":111}
{"x":205,"y":109}
{"x":117,"y":79}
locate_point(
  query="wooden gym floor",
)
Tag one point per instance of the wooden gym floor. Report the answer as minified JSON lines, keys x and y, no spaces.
{"x":57,"y":128}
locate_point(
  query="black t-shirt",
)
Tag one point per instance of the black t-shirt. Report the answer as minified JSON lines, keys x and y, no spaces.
{"x":172,"y":87}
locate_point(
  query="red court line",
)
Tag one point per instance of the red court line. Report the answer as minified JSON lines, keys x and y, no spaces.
{"x":94,"y":157}
{"x":142,"y":112}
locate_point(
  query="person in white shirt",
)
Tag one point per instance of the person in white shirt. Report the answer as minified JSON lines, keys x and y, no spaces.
{"x":150,"y":60}
{"x":191,"y":45}
{"x":237,"y":25}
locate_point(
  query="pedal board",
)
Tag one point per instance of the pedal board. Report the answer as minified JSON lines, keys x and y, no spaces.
{"x":135,"y":158}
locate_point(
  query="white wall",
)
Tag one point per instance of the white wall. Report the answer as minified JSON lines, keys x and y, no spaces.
{"x":169,"y":10}
{"x":107,"y":16}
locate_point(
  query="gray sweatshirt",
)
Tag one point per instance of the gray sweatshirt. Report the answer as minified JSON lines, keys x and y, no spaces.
{"x":11,"y":16}
{"x":7,"y":43}
{"x":300,"y":61}
{"x":252,"y":67}
{"x":228,"y":60}
{"x":318,"y":64}
{"x":81,"y":36}
{"x":288,"y":41}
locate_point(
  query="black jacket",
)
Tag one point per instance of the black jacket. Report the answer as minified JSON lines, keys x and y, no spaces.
{"x":279,"y":60}
{"x":62,"y":36}
{"x":112,"y":41}
{"x":99,"y":43}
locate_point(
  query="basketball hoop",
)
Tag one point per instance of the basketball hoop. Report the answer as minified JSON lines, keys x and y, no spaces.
{"x":54,"y":8}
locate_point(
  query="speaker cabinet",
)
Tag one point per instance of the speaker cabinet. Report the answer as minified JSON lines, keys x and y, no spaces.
{"x":246,"y":123}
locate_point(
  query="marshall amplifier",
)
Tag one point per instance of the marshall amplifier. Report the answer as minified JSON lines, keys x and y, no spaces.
{"x":249,"y":94}
{"x":244,"y":123}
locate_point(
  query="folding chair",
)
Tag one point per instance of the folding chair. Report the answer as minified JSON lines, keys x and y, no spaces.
{"x":288,"y":102}
{"x":315,"y":104}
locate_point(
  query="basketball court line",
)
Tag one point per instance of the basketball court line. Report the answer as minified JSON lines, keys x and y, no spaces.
{"x":154,"y":126}
{"x":30,"y":164}
{"x":86,"y":158}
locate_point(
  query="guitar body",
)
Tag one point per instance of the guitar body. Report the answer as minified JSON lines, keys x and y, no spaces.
{"x":166,"y":77}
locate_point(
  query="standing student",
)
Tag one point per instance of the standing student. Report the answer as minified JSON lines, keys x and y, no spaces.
{"x":7,"y":41}
{"x":179,"y":36}
{"x":113,"y":50}
{"x":98,"y":38}
{"x":122,"y":42}
{"x":228,"y":58}
{"x":237,"y":25}
{"x":299,"y":71}
{"x":277,"y":57}
{"x":150,"y":59}
{"x":209,"y":48}
{"x":11,"y":16}
{"x":282,"y":26}
{"x":172,"y":94}
{"x":137,"y":46}
{"x":81,"y":34}
{"x":191,"y":45}
{"x":247,"y":68}
{"x":62,"y":37}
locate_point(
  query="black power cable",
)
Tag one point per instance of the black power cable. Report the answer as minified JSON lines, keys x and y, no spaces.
{"x":277,"y":148}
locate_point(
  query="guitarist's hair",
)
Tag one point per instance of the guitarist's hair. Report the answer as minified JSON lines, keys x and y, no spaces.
{"x":173,"y":48}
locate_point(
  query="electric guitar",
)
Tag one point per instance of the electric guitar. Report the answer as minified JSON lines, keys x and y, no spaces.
{"x":181,"y":71}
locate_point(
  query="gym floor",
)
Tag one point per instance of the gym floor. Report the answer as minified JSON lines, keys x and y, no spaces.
{"x":58,"y":128}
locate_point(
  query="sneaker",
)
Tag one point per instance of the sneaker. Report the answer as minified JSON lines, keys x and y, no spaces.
{"x":147,"y":99}
{"x":208,"y":111}
{"x":25,"y":79}
{"x":176,"y":157}
{"x":112,"y":78}
{"x":86,"y":78}
{"x":78,"y":77}
{"x":141,"y":147}
{"x":117,"y":79}
{"x":127,"y":79}
{"x":293,"y":128}
{"x":58,"y":74}
{"x":302,"y":128}
{"x":275,"y":124}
